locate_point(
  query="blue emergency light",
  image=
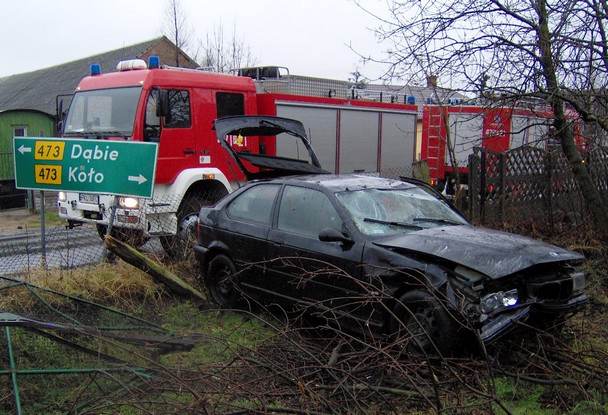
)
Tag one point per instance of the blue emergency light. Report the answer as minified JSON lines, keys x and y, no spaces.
{"x":153,"y":62}
{"x":411,"y":99}
{"x":95,"y":69}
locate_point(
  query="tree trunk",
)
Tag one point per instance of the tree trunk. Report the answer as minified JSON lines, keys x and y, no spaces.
{"x":564,"y":129}
{"x":158,"y":273}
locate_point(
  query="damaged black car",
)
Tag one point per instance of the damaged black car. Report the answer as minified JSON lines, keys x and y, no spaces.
{"x":377,"y":255}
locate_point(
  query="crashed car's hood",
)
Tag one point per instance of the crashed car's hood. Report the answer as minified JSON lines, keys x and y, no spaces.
{"x":493,"y":253}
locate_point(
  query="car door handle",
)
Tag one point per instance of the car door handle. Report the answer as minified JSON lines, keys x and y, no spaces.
{"x":188,"y":151}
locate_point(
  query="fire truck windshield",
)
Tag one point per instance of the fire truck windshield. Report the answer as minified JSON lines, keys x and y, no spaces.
{"x":103,"y":112}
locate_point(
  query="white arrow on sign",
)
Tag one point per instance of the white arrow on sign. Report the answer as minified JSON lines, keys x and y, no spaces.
{"x":24,"y":149}
{"x":139,"y":179}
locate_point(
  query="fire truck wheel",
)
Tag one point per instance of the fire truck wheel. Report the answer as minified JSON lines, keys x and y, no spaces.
{"x":179,"y":246}
{"x":133,"y":237}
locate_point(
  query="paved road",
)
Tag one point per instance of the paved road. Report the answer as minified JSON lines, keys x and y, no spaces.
{"x":66,"y":248}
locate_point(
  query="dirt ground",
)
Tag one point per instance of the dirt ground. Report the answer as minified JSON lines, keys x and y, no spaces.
{"x":16,"y":220}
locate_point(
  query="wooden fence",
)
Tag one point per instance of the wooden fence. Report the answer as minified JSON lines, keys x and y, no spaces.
{"x":528,"y":186}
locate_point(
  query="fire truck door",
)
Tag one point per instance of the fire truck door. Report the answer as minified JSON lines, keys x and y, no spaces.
{"x":177,"y":147}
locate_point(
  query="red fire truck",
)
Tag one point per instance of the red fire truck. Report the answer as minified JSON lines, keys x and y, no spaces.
{"x":176,"y":108}
{"x":496,"y":129}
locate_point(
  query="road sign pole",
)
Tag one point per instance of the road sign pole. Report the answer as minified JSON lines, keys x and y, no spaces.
{"x":42,"y":231}
{"x":109,"y":255}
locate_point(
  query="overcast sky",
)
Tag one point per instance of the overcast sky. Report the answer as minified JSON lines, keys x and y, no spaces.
{"x":310,"y":37}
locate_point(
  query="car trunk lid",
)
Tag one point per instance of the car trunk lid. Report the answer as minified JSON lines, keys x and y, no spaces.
{"x":260,"y":165}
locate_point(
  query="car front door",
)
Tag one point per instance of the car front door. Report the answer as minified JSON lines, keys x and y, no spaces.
{"x":303,"y":269}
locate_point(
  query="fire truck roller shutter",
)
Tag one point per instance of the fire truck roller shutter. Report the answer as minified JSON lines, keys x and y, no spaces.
{"x":358,"y":141}
{"x":520,"y":134}
{"x":320,"y":125}
{"x":465,"y":131}
{"x":398,"y":142}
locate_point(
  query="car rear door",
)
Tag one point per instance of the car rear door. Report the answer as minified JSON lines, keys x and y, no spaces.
{"x":244,"y":229}
{"x":324,"y":275}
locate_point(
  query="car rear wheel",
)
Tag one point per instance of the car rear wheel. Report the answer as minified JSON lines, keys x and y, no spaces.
{"x":220,"y":283}
{"x":422,"y":324}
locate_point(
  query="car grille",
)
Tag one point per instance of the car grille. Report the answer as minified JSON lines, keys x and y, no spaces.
{"x":551,"y":290}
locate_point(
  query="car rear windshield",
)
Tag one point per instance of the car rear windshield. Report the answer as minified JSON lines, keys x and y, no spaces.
{"x":110,"y":111}
{"x":392,"y":211}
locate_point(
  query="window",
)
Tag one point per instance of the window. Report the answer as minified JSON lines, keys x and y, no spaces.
{"x":103,"y":110}
{"x":307,"y":212}
{"x":179,"y":109}
{"x":152,"y":120}
{"x":20,"y":131}
{"x":255,"y":204}
{"x":229,"y":104}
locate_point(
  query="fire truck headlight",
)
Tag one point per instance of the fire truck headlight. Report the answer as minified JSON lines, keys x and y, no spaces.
{"x":128,"y":202}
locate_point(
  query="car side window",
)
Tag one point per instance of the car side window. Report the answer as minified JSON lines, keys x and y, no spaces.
{"x":179,"y":107}
{"x":254,"y":204}
{"x":229,"y":104}
{"x":307,"y":212}
{"x":152,"y":121}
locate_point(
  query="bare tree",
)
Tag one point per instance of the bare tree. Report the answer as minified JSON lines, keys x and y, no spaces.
{"x":176,"y":27}
{"x":221,"y":53}
{"x":520,"y":52}
{"x":358,"y":80}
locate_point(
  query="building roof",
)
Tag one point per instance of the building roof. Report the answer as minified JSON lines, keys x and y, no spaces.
{"x":37,"y":90}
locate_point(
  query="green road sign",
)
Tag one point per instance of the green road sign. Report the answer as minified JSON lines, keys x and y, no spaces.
{"x":93,"y":166}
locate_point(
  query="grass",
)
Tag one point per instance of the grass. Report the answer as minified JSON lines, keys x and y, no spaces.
{"x":126,"y":288}
{"x":520,"y":398}
{"x":226,"y":334}
{"x":118,"y":285}
{"x":51,"y":218}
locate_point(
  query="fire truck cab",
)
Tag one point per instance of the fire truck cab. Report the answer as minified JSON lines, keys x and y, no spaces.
{"x":176,"y":109}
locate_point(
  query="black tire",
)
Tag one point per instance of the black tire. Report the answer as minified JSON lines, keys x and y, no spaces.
{"x":423,"y":323}
{"x":132,"y":237}
{"x":179,"y":246}
{"x":220,"y":283}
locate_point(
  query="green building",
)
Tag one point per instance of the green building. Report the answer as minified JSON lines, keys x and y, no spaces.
{"x":20,"y":123}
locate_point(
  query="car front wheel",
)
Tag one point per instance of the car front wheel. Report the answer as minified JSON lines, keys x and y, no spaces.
{"x":422,"y":323}
{"x":220,"y":283}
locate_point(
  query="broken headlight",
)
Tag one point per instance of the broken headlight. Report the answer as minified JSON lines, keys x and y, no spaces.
{"x":499,"y":300}
{"x":578,"y":282}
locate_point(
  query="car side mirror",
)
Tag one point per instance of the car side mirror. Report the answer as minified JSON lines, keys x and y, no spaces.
{"x":333,"y":235}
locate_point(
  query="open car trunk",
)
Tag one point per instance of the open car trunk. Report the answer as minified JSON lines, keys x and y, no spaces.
{"x":266,"y":165}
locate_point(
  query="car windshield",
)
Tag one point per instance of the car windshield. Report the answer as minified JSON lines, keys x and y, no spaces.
{"x":392,"y":211}
{"x":109,"y":111}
